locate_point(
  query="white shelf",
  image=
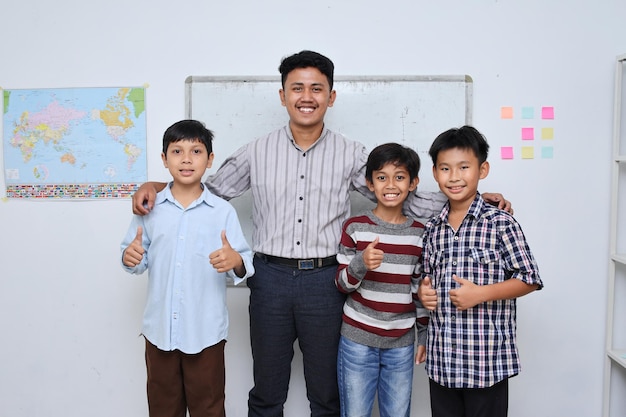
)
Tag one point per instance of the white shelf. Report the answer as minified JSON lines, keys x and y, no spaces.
{"x":619,"y":258}
{"x":618,"y":356}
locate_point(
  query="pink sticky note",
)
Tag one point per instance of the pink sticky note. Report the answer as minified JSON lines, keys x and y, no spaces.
{"x":506,"y":152}
{"x":528,"y":133}
{"x":547,"y":112}
{"x":506,"y":112}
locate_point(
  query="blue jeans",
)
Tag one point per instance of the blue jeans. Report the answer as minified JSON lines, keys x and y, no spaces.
{"x":286,"y":305}
{"x":364,"y":370}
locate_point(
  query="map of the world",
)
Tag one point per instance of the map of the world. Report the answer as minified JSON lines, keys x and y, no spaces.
{"x":74,"y":142}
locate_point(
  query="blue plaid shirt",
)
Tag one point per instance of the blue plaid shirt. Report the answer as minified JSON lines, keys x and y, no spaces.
{"x":474,"y":348}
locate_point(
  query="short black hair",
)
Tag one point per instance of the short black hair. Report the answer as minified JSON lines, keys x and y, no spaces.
{"x":392,"y":153}
{"x":188,"y":130}
{"x":465,"y":137}
{"x":307,"y":59}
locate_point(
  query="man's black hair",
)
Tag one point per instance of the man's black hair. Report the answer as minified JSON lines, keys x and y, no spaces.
{"x":307,"y":59}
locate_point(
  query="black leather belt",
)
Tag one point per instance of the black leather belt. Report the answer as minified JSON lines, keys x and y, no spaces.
{"x":299,"y":263}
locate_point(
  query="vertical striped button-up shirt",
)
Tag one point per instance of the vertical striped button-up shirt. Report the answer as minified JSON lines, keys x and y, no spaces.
{"x":302,"y":197}
{"x":475,"y":348}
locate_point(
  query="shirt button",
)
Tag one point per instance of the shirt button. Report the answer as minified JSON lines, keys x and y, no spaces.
{"x":299,"y":220}
{"x":456,"y":238}
{"x":298,"y":243}
{"x":301,"y":198}
{"x":301,"y":176}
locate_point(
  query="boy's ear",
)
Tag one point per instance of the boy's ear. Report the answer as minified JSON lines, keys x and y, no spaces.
{"x":484,"y":170}
{"x":369,"y":184}
{"x":210,"y":161}
{"x":164,"y":159}
{"x":414,"y":183}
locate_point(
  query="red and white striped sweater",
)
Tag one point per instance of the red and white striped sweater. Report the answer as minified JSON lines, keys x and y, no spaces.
{"x":382,"y":306}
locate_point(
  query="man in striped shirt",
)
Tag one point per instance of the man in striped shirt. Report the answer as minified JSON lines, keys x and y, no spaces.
{"x":300,"y":177}
{"x":380,"y":258}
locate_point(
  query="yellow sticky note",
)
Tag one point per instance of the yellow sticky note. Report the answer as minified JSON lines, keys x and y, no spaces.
{"x":528,"y":152}
{"x":506,"y":112}
{"x":547,"y":133}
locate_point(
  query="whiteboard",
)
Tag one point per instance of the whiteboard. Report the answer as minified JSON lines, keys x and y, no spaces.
{"x":411,"y":110}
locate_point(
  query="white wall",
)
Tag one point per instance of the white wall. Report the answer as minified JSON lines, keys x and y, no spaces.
{"x":70,"y":316}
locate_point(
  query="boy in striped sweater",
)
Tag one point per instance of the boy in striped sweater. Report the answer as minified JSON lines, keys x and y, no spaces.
{"x":379,"y":259}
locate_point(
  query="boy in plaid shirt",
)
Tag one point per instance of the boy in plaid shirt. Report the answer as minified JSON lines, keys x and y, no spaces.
{"x":476,"y":264}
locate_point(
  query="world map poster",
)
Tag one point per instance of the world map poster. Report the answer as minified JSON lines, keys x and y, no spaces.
{"x":74,"y":143}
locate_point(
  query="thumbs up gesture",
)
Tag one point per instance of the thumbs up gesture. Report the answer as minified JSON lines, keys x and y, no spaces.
{"x":133,"y":254}
{"x":427,"y":294}
{"x":373,"y":257}
{"x":226,"y":258}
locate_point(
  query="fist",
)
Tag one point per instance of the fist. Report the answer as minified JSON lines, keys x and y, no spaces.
{"x":134,"y":252}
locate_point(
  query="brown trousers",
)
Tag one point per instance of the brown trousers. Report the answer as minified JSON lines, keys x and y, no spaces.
{"x":179,"y":381}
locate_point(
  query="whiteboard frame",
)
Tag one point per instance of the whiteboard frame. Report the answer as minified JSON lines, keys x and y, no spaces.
{"x":469,"y":85}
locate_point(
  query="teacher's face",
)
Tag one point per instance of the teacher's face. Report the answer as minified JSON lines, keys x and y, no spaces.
{"x":307,"y":96}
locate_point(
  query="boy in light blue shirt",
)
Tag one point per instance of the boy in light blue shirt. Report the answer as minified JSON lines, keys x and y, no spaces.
{"x":190,"y":242}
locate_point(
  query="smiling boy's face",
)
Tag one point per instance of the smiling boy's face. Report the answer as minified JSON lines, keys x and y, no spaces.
{"x":457,"y":172}
{"x":391,"y":184}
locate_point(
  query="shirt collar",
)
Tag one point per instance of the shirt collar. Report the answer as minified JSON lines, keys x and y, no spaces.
{"x":166,"y":195}
{"x":475,"y":210}
{"x":293,"y":142}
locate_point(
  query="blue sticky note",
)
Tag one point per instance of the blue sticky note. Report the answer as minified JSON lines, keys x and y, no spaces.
{"x":528,"y":113}
{"x":547,"y":152}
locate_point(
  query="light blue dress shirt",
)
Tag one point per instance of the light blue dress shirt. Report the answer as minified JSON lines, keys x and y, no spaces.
{"x":186,"y":300}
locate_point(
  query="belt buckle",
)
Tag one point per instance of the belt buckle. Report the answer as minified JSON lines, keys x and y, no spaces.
{"x":306,"y":264}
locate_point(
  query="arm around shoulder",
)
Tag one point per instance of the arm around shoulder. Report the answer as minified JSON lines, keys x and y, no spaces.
{"x":425,"y":204}
{"x":143,"y":199}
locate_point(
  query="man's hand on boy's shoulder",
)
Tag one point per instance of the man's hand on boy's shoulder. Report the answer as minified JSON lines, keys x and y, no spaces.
{"x":497,"y":199}
{"x":143,"y":199}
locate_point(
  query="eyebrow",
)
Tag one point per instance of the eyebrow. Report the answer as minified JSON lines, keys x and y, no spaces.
{"x":301,"y":83}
